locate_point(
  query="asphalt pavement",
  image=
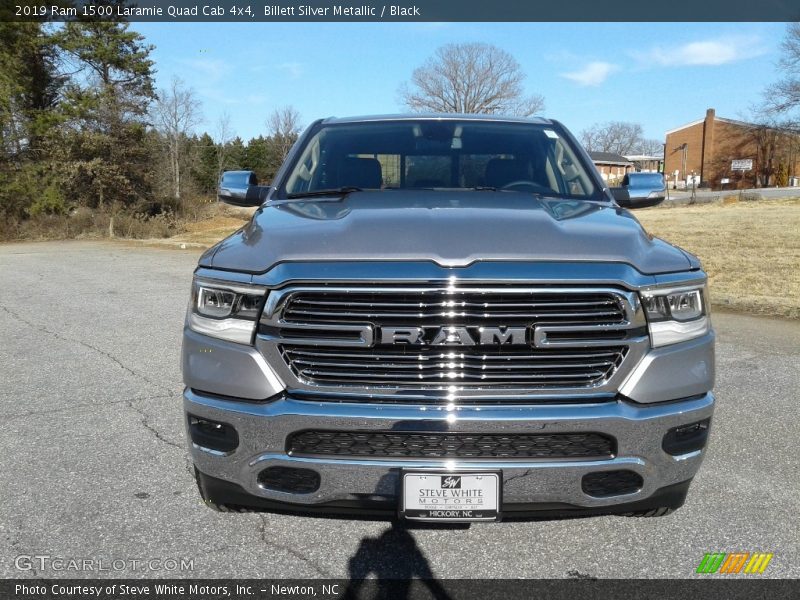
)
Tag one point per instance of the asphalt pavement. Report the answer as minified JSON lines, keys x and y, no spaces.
{"x":94,"y":467}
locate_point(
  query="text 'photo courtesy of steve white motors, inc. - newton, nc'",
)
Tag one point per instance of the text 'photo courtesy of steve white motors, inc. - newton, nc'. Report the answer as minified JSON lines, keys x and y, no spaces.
{"x":217,"y":11}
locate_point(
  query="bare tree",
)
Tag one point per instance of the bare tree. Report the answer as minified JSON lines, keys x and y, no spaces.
{"x":616,"y":136}
{"x":784,"y":95}
{"x":176,"y":113}
{"x":650,"y":147}
{"x":283,"y":126}
{"x":470,"y":78}
{"x":223,"y":135}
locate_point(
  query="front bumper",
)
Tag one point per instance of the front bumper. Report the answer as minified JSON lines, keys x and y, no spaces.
{"x":263,"y":428}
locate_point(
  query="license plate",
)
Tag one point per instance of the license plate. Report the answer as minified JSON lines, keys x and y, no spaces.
{"x":450,"y":496}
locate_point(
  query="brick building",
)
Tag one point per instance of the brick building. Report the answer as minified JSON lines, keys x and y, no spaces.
{"x":612,"y":167}
{"x":703,"y":150}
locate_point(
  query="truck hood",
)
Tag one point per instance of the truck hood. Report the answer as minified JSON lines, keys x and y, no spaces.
{"x":453,"y":229}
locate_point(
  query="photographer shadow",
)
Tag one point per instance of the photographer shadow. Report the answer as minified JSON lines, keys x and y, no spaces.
{"x":394,"y":559}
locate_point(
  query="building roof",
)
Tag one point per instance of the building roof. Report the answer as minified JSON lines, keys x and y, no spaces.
{"x":720,"y":119}
{"x":608,"y":158}
{"x":642,"y":157}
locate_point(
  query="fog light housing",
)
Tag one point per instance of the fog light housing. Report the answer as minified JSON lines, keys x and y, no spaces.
{"x":686,"y":438}
{"x":213,"y":435}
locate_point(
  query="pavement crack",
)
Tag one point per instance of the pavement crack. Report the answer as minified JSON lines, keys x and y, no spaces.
{"x":145,"y":421}
{"x":36,"y":413}
{"x":262,"y":532}
{"x":64,"y":338}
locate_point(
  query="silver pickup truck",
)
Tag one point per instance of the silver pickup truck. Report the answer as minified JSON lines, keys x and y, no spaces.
{"x":445,"y":318}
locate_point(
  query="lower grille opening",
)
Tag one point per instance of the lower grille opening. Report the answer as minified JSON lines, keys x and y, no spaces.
{"x":289,"y":479}
{"x":611,"y":483}
{"x":388,"y":444}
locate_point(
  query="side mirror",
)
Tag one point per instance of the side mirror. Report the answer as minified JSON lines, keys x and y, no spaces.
{"x":624,"y":198}
{"x":240,"y":188}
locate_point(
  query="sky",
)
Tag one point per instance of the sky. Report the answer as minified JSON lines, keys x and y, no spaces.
{"x":660,"y":75}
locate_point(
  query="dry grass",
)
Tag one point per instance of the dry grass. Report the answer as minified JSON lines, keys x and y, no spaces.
{"x":750,"y":250}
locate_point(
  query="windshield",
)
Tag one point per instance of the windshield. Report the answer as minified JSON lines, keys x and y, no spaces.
{"x":440,"y":155}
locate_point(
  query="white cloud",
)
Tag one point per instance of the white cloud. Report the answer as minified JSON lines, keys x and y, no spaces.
{"x":593,"y":74}
{"x":710,"y":52}
{"x":212,"y":68}
{"x":294,"y":69}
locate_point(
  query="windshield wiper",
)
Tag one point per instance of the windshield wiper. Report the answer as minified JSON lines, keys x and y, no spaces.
{"x":340,"y":191}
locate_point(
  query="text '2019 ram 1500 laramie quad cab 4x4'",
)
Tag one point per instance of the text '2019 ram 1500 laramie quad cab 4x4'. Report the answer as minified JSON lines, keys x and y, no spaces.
{"x":445,"y":318}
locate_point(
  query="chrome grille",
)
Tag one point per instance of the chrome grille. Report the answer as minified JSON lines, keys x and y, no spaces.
{"x":386,"y":366}
{"x":337,"y":339}
{"x":440,"y":306}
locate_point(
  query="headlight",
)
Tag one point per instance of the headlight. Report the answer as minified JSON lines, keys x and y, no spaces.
{"x":225,"y":311}
{"x":676,"y":315}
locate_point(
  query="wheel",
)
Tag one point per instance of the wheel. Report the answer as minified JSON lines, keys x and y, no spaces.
{"x":662,"y":511}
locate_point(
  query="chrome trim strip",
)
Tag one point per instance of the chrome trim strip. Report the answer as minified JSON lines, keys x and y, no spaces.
{"x":365,"y":335}
{"x":489,"y":272}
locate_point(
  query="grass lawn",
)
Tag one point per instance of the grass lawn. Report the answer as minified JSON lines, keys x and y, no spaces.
{"x":750,"y":250}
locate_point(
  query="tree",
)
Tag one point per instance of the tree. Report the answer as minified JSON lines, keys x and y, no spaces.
{"x":283,"y":126}
{"x":470,"y":78}
{"x":650,"y":147}
{"x":176,"y":113}
{"x":103,"y":149}
{"x":223,"y":136}
{"x":784,"y":95}
{"x":619,"y":137}
{"x":29,"y":88}
{"x":204,"y":167}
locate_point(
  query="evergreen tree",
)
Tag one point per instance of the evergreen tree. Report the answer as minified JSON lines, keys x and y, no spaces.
{"x":204,"y":165}
{"x":103,"y":146}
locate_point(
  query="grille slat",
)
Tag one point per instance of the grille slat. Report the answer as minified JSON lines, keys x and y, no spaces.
{"x":449,"y":376}
{"x":387,"y":444}
{"x":420,"y":366}
{"x":439,"y":355}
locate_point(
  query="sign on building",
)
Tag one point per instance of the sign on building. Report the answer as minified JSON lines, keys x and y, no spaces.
{"x":744,"y":164}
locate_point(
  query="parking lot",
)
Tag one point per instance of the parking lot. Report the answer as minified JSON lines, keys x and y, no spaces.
{"x":94,"y":462}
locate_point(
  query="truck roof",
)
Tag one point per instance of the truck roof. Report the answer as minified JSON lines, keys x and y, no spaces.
{"x":438,"y":117}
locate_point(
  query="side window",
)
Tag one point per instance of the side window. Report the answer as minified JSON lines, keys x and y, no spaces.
{"x":569,"y":171}
{"x":305,"y":170}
